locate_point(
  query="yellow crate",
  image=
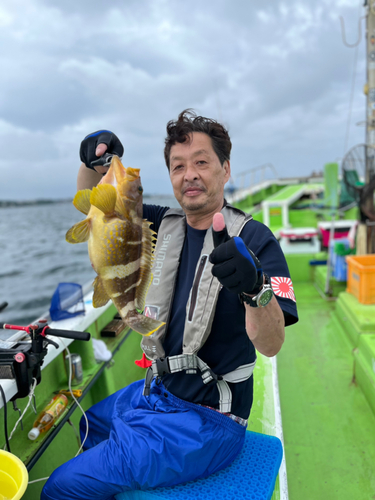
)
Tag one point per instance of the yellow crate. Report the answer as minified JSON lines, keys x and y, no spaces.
{"x":361,"y":277}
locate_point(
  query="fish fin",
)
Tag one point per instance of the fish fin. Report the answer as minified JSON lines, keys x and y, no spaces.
{"x":104,"y":198}
{"x":79,"y":233}
{"x":143,"y":324}
{"x":82,"y":201}
{"x":145,"y":266}
{"x":150,"y":224}
{"x":100,"y":296}
{"x":142,"y":290}
{"x":120,"y":206}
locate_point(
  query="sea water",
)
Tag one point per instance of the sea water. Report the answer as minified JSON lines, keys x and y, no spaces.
{"x":34,"y":256}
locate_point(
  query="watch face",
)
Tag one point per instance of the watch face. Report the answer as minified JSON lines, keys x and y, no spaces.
{"x":265,"y":298}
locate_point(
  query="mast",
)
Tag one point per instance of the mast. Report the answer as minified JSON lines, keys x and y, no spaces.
{"x":368,"y":203}
{"x":370,"y":108}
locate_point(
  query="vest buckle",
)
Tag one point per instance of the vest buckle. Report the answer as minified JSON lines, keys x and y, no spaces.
{"x":162,"y":366}
{"x":209,"y":377}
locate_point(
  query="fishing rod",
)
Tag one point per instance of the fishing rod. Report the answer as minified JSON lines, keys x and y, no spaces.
{"x":3,"y":306}
{"x":23,"y":362}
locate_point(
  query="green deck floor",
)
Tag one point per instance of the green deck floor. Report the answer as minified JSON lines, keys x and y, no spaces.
{"x":329,"y":428}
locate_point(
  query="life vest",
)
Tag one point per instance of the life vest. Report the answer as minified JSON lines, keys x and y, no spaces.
{"x":200,"y":308}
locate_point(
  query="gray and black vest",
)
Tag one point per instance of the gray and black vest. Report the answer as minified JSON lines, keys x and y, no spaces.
{"x":200,"y":308}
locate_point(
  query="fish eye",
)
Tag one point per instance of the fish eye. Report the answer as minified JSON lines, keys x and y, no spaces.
{"x":140,"y":189}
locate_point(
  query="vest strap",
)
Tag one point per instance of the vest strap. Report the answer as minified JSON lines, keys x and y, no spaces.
{"x":191,"y":363}
{"x":225,"y":400}
{"x":240,"y":374}
{"x":148,"y":380}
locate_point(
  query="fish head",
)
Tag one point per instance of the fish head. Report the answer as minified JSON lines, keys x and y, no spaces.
{"x":116,"y":170}
{"x":131,"y":191}
{"x":128,"y":184}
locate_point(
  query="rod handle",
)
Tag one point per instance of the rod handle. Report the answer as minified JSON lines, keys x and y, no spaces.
{"x":68,"y":334}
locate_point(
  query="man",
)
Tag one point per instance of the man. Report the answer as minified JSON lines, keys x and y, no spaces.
{"x":188,"y":418}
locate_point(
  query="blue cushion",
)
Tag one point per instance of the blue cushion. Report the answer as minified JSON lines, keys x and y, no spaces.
{"x":252,"y":475}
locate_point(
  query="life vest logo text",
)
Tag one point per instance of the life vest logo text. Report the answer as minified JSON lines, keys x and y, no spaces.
{"x":160,"y":258}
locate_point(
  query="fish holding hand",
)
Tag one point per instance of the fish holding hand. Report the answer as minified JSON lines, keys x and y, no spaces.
{"x":120,"y":244}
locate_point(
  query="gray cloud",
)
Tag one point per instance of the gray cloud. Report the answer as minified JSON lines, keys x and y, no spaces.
{"x":277,"y":75}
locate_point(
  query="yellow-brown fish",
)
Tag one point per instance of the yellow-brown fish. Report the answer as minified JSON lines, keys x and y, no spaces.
{"x":120,"y":244}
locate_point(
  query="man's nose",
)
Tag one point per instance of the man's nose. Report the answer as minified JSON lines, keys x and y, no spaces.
{"x":191,"y":172}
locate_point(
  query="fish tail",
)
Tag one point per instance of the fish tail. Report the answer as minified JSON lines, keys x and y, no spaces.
{"x":143,"y":324}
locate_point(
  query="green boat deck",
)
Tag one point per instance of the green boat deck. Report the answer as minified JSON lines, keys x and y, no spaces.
{"x":328,"y":424}
{"x":326,"y":373}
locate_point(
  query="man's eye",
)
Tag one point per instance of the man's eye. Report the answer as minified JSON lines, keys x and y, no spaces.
{"x":177,"y":167}
{"x":201,"y":162}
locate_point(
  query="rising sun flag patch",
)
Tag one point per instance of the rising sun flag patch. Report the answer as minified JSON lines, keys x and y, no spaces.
{"x":283,"y":287}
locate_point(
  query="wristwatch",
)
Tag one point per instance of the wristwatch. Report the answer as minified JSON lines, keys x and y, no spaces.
{"x":262,"y":298}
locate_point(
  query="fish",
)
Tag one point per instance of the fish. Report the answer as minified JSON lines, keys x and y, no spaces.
{"x":120,"y":244}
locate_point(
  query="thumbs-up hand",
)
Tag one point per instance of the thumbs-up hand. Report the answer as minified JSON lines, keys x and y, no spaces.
{"x":235,"y":265}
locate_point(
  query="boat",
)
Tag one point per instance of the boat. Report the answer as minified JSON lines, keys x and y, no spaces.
{"x":317,"y":395}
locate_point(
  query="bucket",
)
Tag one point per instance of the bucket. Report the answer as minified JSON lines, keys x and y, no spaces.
{"x":13,"y":477}
{"x":67,"y":301}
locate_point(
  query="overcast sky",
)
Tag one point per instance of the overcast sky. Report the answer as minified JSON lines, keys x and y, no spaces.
{"x":276,"y":73}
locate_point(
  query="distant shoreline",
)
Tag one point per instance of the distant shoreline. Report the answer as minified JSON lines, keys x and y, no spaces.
{"x":23,"y":203}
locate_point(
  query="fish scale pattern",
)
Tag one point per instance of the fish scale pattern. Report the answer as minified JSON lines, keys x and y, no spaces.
{"x":251,"y":476}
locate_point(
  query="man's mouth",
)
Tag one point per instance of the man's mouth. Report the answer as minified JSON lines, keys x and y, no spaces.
{"x":193,"y":191}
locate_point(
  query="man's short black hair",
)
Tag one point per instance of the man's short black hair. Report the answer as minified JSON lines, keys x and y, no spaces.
{"x":188,"y":122}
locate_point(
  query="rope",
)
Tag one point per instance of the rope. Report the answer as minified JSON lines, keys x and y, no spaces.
{"x":356,"y":44}
{"x":31,"y":394}
{"x":347,"y":133}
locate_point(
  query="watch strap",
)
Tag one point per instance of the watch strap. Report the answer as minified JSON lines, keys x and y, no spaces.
{"x":248,"y":300}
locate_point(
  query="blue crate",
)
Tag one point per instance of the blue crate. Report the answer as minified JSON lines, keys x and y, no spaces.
{"x":251,"y":476}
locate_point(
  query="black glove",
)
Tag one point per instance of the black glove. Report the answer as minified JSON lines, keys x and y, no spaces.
{"x":235,"y":265}
{"x":91,"y":142}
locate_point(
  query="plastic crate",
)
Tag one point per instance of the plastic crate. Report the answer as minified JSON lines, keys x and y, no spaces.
{"x":361,"y":277}
{"x":341,"y":229}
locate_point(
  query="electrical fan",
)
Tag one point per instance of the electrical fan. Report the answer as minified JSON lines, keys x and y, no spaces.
{"x":358,"y":173}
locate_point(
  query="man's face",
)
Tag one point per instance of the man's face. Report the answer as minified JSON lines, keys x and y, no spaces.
{"x":197,"y":176}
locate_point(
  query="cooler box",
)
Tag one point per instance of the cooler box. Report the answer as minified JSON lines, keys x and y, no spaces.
{"x":299,"y":240}
{"x":341,"y":229}
{"x":361,"y":277}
